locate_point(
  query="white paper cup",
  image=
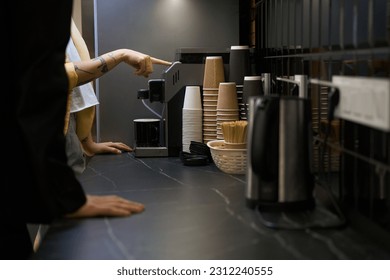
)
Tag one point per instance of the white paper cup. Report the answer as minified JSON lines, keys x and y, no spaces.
{"x":192,"y":98}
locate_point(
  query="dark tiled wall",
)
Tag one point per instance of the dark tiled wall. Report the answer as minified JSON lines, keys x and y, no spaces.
{"x":322,"y":38}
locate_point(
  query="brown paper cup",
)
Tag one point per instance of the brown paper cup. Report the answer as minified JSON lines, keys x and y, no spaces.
{"x":227,"y":96}
{"x":213,"y":72}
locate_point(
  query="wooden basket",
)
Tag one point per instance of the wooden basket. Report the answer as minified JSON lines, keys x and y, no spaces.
{"x":228,"y":160}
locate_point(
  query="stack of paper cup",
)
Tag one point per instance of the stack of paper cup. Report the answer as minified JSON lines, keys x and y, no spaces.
{"x":240,"y":99}
{"x":214,"y":74}
{"x":227,"y":105}
{"x":253,"y":86}
{"x":210,"y":99}
{"x":192,"y":117}
{"x":239,"y":67}
{"x":239,"y":64}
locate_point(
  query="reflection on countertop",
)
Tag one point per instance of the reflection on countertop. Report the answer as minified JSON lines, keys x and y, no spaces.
{"x":192,"y":212}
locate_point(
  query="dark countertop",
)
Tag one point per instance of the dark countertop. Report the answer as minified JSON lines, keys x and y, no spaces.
{"x":192,"y":212}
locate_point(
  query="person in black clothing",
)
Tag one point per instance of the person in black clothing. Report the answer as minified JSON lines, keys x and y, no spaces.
{"x":37,"y":184}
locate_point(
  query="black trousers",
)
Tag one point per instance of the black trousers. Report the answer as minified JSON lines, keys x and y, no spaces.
{"x":37,"y":184}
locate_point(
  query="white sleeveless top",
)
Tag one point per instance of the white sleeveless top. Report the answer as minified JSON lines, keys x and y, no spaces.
{"x":82,"y":96}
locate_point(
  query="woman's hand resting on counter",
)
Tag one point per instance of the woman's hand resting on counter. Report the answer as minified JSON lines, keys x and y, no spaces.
{"x":92,"y":148}
{"x":107,"y":205}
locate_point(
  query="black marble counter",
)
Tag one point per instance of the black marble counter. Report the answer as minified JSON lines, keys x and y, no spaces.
{"x":192,"y":212}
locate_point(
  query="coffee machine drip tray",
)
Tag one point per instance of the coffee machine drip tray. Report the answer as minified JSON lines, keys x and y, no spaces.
{"x":151,"y":151}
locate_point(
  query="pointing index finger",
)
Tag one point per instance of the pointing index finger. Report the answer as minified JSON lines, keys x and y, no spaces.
{"x":160,"y":61}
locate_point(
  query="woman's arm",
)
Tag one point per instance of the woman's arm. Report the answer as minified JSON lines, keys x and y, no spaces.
{"x":89,"y":70}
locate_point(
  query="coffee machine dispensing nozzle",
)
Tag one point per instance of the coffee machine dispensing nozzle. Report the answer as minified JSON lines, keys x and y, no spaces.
{"x":156,"y":90}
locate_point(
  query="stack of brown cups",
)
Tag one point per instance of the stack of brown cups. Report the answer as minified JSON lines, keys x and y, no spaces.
{"x":227,"y":105}
{"x":213,"y":75}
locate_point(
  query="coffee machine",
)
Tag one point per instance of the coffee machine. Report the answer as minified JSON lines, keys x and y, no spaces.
{"x":169,"y":90}
{"x":279,"y":152}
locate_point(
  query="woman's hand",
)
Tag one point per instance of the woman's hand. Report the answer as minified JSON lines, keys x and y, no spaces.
{"x":142,"y":63}
{"x":92,"y":148}
{"x":107,"y":205}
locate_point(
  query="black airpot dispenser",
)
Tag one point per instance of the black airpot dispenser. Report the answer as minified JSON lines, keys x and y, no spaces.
{"x":279,"y":173}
